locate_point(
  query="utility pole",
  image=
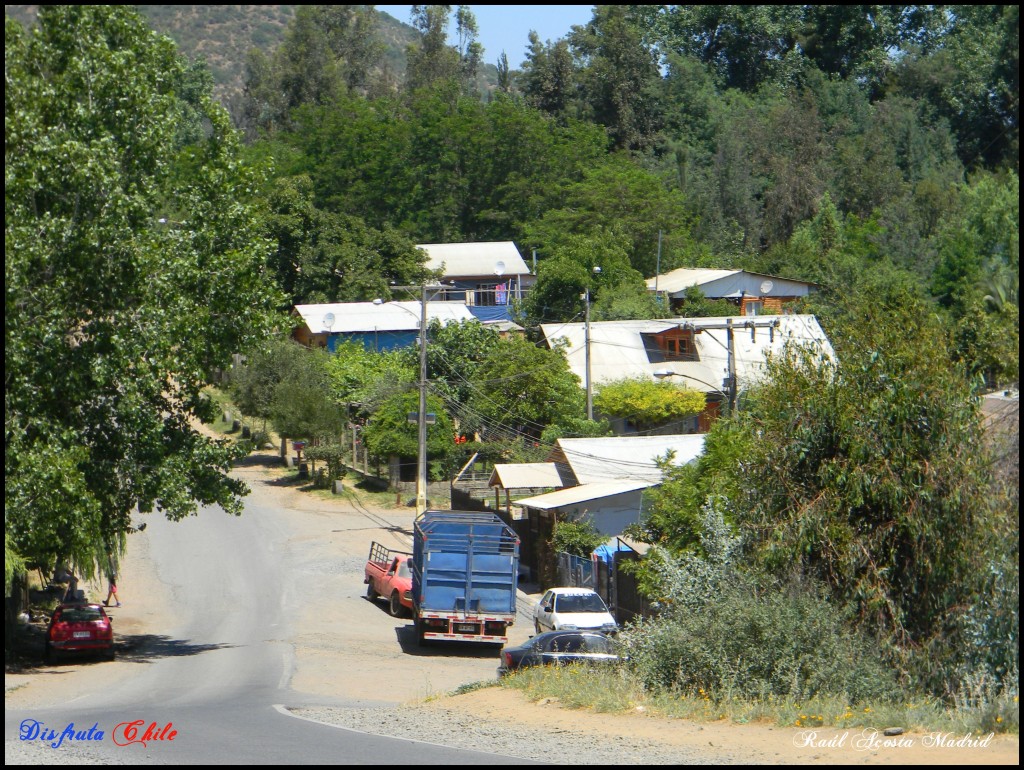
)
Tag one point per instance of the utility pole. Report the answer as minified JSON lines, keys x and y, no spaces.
{"x":731,"y":384}
{"x":421,"y":417}
{"x":421,"y":460}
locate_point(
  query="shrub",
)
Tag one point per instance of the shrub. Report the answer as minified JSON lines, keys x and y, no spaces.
{"x":577,"y":537}
{"x":721,"y":634}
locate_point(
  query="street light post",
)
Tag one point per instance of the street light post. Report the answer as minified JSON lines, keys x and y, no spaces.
{"x":586,"y":333}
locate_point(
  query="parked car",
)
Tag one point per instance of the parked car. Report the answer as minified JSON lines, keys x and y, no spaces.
{"x":573,"y":609}
{"x":559,"y":648}
{"x":79,"y":628}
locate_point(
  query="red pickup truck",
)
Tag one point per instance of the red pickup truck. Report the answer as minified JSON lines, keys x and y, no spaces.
{"x":388,"y":575}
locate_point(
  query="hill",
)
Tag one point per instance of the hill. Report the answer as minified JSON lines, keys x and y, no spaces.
{"x":223,"y":34}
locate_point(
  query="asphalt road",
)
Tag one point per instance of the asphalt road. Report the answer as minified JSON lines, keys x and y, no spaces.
{"x":221,"y":676}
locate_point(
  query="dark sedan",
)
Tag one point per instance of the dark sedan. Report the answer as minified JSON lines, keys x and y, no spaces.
{"x":556,"y":648}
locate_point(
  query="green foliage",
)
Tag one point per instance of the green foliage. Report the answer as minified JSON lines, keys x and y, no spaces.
{"x":579,"y":538}
{"x":648,"y":404}
{"x":866,"y":476}
{"x":720,"y":635}
{"x":389,"y":432}
{"x":325,"y":257}
{"x":617,"y":205}
{"x":696,"y":305}
{"x":673,"y":510}
{"x":433,"y":61}
{"x":134,"y":269}
{"x":366,"y":378}
{"x":618,"y":77}
{"x":327,"y":49}
{"x":523,"y":388}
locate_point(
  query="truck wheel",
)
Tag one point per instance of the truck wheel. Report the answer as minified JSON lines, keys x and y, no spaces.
{"x":371,"y":592}
{"x":395,"y":605}
{"x":420,"y":631}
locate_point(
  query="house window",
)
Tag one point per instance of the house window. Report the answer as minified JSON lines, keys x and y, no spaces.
{"x":753,"y":307}
{"x":485,"y":295}
{"x":678,"y":345}
{"x":491,"y":294}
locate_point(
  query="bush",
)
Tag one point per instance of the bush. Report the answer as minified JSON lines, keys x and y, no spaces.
{"x":781,"y":643}
{"x":579,"y":538}
{"x":720,"y":634}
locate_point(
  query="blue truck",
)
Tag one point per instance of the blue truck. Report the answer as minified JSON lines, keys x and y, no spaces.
{"x":465,"y":567}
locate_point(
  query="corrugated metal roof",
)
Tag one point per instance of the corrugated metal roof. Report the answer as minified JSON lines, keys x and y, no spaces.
{"x":617,"y":349}
{"x":581,"y":494}
{"x":684,"y":277}
{"x":525,"y":475}
{"x":626,"y":458}
{"x":466,"y":260}
{"x":352,"y":317}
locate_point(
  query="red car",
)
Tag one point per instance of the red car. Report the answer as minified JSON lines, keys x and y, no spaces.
{"x":79,"y":628}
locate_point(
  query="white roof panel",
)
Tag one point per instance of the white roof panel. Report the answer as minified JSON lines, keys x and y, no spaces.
{"x":525,"y":475}
{"x":617,"y":348}
{"x":352,"y":317}
{"x":470,"y":260}
{"x":684,"y":277}
{"x":627,"y":458}
{"x":581,"y":494}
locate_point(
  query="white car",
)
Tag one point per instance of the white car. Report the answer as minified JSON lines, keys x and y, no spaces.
{"x":573,"y":609}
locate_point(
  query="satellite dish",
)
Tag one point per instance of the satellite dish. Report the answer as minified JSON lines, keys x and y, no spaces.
{"x":328,"y":320}
{"x":766,"y":286}
{"x":499,"y":268}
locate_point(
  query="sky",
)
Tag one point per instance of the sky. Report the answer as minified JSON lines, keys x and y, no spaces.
{"x":507,"y":27}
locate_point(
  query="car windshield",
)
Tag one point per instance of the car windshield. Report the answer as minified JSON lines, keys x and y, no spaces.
{"x":403,"y":569}
{"x":80,"y":614}
{"x":580,"y":603}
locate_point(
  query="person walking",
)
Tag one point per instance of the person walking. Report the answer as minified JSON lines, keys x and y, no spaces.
{"x":112,"y":589}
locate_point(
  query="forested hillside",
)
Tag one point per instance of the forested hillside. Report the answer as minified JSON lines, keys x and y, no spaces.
{"x":822,"y":143}
{"x":849,"y":511}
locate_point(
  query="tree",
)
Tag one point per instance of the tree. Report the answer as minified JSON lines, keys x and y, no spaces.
{"x":390,"y":433}
{"x":327,"y":50}
{"x":301,"y":405}
{"x":522,"y":389}
{"x":323,"y":256}
{"x":433,"y":61}
{"x":618,"y":196}
{"x":618,"y":76}
{"x":548,"y":78}
{"x":866,"y":475}
{"x":648,"y":404}
{"x":134,"y":269}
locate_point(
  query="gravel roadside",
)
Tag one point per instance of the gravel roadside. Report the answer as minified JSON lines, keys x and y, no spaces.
{"x":449,"y":727}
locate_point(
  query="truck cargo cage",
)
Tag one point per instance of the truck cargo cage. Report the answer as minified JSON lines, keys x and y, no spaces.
{"x":465,"y":569}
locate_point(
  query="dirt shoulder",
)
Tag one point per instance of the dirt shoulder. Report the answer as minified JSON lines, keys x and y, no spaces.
{"x":754,"y":744}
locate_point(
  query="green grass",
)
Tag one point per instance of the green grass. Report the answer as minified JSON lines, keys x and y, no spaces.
{"x":615,"y":690}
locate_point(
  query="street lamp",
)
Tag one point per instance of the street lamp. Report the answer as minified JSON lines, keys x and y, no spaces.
{"x":662,"y":374}
{"x":421,"y":459}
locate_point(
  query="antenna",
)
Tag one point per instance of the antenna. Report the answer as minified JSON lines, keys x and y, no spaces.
{"x":766,"y":286}
{"x":328,"y":321}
